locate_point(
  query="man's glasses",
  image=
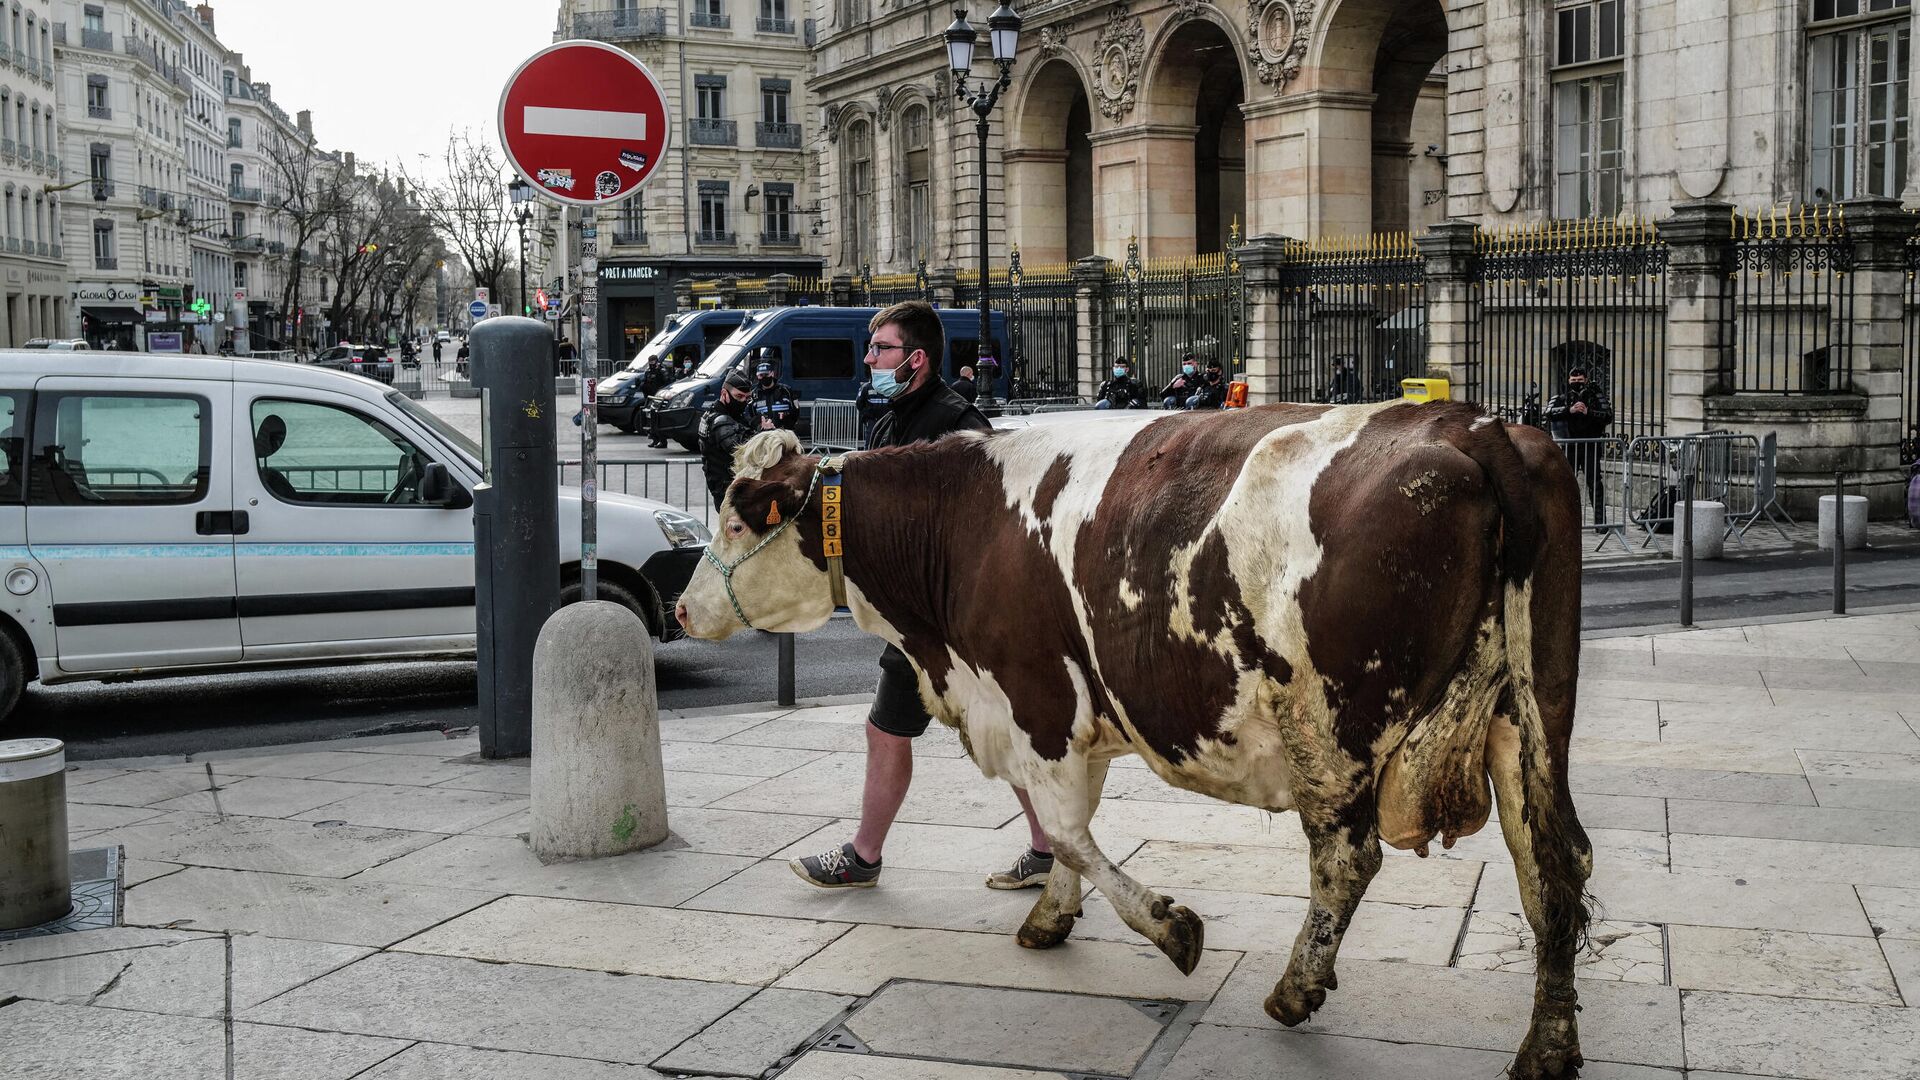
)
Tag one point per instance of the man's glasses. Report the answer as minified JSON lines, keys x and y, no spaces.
{"x":876,"y":347}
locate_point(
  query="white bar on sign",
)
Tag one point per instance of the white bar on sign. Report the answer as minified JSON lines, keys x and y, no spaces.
{"x":584,"y":123}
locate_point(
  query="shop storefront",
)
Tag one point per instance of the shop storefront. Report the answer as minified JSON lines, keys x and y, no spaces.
{"x":110,"y":315}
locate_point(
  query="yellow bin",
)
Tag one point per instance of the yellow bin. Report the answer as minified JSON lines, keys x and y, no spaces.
{"x":1424,"y":390}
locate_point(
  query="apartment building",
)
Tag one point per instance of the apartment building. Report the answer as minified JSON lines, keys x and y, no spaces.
{"x":33,"y":279}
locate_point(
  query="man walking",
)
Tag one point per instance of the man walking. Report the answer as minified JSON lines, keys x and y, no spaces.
{"x":904,"y":357}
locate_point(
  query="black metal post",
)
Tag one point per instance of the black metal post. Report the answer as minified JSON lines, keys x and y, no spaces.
{"x":985,"y":320}
{"x":786,"y":669}
{"x":1839,"y":542}
{"x":522,"y":222}
{"x":1686,"y":549}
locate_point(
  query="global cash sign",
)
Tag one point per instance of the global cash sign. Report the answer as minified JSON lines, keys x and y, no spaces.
{"x":584,"y":122}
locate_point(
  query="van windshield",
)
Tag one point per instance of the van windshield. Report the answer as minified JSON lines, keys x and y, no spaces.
{"x":656,"y":345}
{"x":456,"y":438}
{"x":729,"y":352}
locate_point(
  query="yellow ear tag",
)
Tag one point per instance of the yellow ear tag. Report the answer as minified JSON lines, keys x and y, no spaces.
{"x":773,"y":513}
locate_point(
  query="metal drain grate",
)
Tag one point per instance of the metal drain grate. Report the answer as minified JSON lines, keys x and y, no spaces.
{"x":96,"y":896}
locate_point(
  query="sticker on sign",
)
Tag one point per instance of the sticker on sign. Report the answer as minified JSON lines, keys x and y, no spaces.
{"x":582,"y":109}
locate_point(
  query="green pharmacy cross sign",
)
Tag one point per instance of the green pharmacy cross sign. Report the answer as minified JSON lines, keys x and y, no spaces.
{"x":201,"y":305}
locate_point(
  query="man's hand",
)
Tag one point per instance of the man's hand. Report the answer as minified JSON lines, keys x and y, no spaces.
{"x":766,"y":423}
{"x":1579,"y":407}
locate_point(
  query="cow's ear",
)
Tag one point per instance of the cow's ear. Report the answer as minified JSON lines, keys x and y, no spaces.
{"x":764,"y":504}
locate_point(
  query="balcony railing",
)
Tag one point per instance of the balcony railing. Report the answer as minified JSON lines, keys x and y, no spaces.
{"x":712,"y":20}
{"x":40,"y":247}
{"x":102,"y":189}
{"x":712,"y":236}
{"x":243,"y":194}
{"x":784,"y":136}
{"x":780,"y":239}
{"x":100,"y":112}
{"x":13,"y":245}
{"x":53,"y":164}
{"x":59,"y":33}
{"x":249,"y":243}
{"x":98,"y":39}
{"x":46,"y":71}
{"x":773,"y":26}
{"x":148,"y":196}
{"x":629,"y":25}
{"x":629,"y":239}
{"x":39,"y":159}
{"x":233,"y":142}
{"x":276,"y":247}
{"x":707,"y":132}
{"x":56,"y":251}
{"x":105,"y":262}
{"x":6,"y":149}
{"x":166,"y":200}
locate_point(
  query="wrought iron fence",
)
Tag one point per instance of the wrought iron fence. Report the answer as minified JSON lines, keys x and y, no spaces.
{"x":879,"y":290}
{"x":1552,"y":297}
{"x":1790,"y":282}
{"x":1184,"y":306}
{"x":1043,"y":322}
{"x":1352,"y":318}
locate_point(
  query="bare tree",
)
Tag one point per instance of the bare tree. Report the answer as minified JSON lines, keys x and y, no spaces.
{"x":468,"y":207}
{"x":376,"y":236}
{"x":308,"y":189}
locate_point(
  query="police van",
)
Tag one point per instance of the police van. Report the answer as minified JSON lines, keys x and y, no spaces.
{"x":168,"y":515}
{"x":820,"y":352}
{"x":688,"y":336}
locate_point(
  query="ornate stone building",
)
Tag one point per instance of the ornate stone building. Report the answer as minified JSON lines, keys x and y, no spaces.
{"x":1167,"y":119}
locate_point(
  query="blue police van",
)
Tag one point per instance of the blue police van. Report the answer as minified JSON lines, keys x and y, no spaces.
{"x":688,"y":335}
{"x":820,"y":352}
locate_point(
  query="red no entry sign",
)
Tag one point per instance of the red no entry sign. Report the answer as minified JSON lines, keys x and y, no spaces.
{"x":584,"y":122}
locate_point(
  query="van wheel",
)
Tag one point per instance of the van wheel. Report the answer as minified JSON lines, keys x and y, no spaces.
{"x":13,"y":675}
{"x":608,"y":590}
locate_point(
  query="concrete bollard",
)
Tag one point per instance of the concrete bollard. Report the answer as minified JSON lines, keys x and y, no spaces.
{"x":1855,"y":525}
{"x":35,"y":883}
{"x":598,"y":786}
{"x":1709,"y":530}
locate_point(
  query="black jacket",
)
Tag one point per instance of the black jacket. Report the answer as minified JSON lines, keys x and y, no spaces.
{"x":1563,"y":421}
{"x":927,"y":413}
{"x":1123,"y":392}
{"x":965,"y":388}
{"x":775,"y":403}
{"x":1181,"y":386}
{"x":655,"y":377}
{"x":1345,"y":388}
{"x":1213,"y":395}
{"x":723,"y":428}
{"x":871,"y":407}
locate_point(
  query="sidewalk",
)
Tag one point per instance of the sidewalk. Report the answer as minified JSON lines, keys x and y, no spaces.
{"x":1753,"y":794}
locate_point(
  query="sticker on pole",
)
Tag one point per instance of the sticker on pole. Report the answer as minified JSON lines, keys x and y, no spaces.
{"x":585,"y":123}
{"x":477,"y":310}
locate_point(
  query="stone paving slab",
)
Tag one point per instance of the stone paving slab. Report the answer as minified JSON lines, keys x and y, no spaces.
{"x":822,"y":1065}
{"x":143,"y":787}
{"x":1631,"y":1023}
{"x":70,"y":1042}
{"x":736,"y":759}
{"x":868,"y":956}
{"x":262,"y":796}
{"x":506,"y":865}
{"x":85,"y":818}
{"x":1775,"y":1036}
{"x":436,"y":809}
{"x":944,"y":792}
{"x":185,"y":978}
{"x":1796,"y":860}
{"x":29,"y":950}
{"x":997,"y":1026}
{"x":357,"y":912}
{"x":765,"y":1029}
{"x":539,"y":1010}
{"x":269,"y":844}
{"x":956,"y":849}
{"x":922,"y":898}
{"x":1821,"y":824}
{"x":1615,"y":951}
{"x":436,"y":1061}
{"x":736,"y":832}
{"x":705,"y":789}
{"x":1893,"y":912}
{"x":1259,"y":922}
{"x":1230,"y":1053}
{"x":671,"y":943}
{"x":1782,"y":963}
{"x":1706,"y":900}
{"x":505,"y":777}
{"x":1173,"y":866}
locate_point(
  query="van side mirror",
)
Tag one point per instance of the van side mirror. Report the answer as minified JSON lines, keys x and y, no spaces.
{"x":438,"y":489}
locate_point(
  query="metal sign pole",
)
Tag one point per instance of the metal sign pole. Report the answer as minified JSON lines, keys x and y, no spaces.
{"x":586,"y":352}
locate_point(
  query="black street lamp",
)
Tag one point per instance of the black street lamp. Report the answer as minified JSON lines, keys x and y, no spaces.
{"x":520,"y":193}
{"x":1003,"y":28}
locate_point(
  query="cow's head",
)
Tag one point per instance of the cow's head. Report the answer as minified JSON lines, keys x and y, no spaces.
{"x":764,"y":567}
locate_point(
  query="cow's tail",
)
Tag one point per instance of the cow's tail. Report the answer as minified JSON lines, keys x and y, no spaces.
{"x":1540,"y":609}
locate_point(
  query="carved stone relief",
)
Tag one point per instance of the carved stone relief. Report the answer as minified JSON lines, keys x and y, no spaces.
{"x":883,"y":108}
{"x":942,"y":94}
{"x":1053,"y":39}
{"x":832,"y":123}
{"x":1277,"y":36}
{"x":1186,"y":9}
{"x":1117,"y":57}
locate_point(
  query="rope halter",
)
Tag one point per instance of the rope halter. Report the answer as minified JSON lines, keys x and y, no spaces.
{"x":726,"y":569}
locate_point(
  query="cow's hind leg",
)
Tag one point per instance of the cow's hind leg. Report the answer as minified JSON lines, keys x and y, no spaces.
{"x":1345,"y":854}
{"x":1064,"y":805}
{"x":1051,"y":919}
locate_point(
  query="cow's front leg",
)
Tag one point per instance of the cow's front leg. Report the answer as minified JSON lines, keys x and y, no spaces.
{"x":1051,"y":919}
{"x":1062,"y":802}
{"x":1345,"y":856}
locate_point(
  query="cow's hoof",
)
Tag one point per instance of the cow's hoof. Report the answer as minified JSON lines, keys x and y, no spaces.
{"x":1185,"y":934}
{"x":1292,"y":1008}
{"x":1032,"y":936}
{"x":1531,"y":1064}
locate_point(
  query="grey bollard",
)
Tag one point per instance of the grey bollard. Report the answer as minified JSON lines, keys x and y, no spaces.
{"x":598,"y":785}
{"x":35,"y":886}
{"x":516,"y":524}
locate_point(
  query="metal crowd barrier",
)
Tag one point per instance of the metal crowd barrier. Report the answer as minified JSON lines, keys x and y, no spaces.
{"x":835,"y":425}
{"x":1636,"y":483}
{"x":680,"y":484}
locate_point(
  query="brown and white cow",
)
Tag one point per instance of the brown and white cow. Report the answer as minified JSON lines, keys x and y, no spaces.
{"x":1362,"y":613}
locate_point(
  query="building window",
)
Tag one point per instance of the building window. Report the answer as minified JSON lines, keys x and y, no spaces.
{"x":710,"y":97}
{"x":239,"y":275}
{"x":858,"y":228}
{"x":1857,"y":107}
{"x":98,"y":105}
{"x":778,"y":225}
{"x":773,"y":101}
{"x":103,"y":243}
{"x":1588,"y":80}
{"x":913,"y":131}
{"x":713,"y":212}
{"x":233,"y":131}
{"x":632,"y":226}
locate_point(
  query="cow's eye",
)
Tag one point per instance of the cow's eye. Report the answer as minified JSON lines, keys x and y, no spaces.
{"x":736,"y":528}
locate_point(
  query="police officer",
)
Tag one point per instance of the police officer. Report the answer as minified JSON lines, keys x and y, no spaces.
{"x":725,"y":426}
{"x":773,"y":404}
{"x":1120,"y":392}
{"x":1174,"y":395}
{"x":1212,"y":393}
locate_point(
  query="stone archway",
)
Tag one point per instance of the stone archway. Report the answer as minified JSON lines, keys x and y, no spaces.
{"x":1049,"y":164}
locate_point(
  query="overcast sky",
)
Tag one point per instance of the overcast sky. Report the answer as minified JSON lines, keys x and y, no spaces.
{"x":387,"y":78}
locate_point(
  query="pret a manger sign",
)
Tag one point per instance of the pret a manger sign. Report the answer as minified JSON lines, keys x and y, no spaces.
{"x":585,"y":123}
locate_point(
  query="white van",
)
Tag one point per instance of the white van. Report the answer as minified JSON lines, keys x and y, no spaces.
{"x":160,"y":515}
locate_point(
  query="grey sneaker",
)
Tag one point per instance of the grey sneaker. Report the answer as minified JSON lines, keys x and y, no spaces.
{"x":1029,"y":871}
{"x":837,"y":868}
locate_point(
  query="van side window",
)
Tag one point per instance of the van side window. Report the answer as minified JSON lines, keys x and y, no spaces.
{"x":120,"y":450}
{"x":13,"y":448}
{"x":822,"y":358}
{"x":320,"y":454}
{"x":717,"y":331}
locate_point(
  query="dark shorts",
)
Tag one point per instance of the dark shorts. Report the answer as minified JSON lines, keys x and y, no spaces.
{"x":896,"y":703}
